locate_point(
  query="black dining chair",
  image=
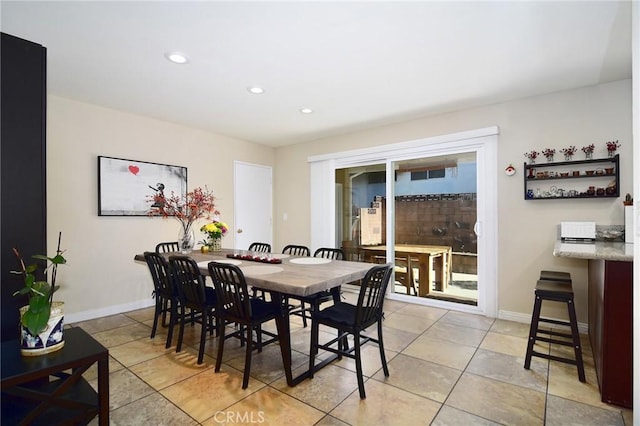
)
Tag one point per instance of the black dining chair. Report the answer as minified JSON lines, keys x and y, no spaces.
{"x":194,"y":295}
{"x":314,"y":300}
{"x":164,"y":293}
{"x":260,"y":247}
{"x":235,"y":305}
{"x":168,"y":247}
{"x":296,"y":250}
{"x":352,"y":320}
{"x":329,"y":253}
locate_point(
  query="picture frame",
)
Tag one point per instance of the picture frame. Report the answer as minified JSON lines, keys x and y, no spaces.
{"x":126,"y":187}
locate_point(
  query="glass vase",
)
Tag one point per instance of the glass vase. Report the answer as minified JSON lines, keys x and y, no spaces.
{"x":216,"y":244}
{"x":611,"y":154}
{"x":186,"y":239}
{"x":588,"y":155}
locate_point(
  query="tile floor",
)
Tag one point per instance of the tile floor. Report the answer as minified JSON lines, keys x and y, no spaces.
{"x":446,"y":368}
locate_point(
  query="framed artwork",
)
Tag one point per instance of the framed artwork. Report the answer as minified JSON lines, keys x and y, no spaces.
{"x":126,"y":187}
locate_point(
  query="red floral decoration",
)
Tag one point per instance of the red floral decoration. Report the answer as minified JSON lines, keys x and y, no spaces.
{"x":588,"y":149}
{"x":194,"y":205}
{"x":549,"y":152}
{"x":613,"y":146}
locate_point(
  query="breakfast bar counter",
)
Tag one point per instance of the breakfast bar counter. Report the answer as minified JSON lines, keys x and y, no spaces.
{"x":592,"y":251}
{"x":610,"y":314}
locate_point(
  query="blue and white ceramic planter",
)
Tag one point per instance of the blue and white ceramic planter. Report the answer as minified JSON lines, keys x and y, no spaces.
{"x":50,"y":339}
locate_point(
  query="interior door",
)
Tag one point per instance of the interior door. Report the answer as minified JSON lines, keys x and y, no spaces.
{"x":252,"y":204}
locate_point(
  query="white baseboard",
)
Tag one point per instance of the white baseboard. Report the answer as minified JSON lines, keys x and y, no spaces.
{"x":106,"y":311}
{"x":583,"y":328}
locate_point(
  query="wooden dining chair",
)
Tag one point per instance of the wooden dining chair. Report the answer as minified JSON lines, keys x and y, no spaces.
{"x":352,"y":320}
{"x":296,"y":250}
{"x":404,"y":272}
{"x":309,"y":303}
{"x":194,"y":295}
{"x":235,"y":305}
{"x":164,"y":292}
{"x":168,"y":247}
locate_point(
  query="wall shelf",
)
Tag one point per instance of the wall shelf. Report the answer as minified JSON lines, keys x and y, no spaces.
{"x":580,"y":179}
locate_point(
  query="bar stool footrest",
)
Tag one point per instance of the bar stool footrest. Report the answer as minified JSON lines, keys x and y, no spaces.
{"x":555,"y":333}
{"x":555,"y":358}
{"x":555,"y":341}
{"x":556,"y":322}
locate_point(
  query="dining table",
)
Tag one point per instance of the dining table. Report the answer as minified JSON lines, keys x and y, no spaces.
{"x":283,"y":275}
{"x":425,"y":257}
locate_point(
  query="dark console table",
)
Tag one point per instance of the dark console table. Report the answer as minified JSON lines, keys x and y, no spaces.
{"x":49,"y":389}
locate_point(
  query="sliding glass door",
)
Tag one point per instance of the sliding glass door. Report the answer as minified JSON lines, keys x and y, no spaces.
{"x":435,"y":247}
{"x":433,"y":215}
{"x":427,"y":206}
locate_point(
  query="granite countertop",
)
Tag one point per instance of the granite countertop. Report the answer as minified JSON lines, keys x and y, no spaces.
{"x":598,"y":250}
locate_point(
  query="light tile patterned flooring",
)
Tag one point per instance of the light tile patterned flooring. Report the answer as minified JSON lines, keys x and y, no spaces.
{"x":446,"y":368}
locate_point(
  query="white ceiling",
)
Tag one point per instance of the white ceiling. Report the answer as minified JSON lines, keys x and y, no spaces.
{"x":356,"y":64}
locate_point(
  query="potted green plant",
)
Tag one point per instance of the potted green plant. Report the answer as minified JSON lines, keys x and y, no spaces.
{"x":42,"y":320}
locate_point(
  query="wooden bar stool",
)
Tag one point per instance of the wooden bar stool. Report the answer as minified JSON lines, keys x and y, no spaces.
{"x":557,"y":291}
{"x":555,"y":276}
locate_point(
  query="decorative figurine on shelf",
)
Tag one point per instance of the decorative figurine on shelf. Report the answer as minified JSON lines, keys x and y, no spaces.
{"x":612,"y":147}
{"x":588,"y":151}
{"x":549,"y":152}
{"x":568,"y":152}
{"x":532,"y":155}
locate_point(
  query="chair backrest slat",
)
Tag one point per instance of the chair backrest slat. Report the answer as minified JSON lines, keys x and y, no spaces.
{"x":160,"y":275}
{"x":260,"y":247}
{"x":372,"y":292}
{"x":231,"y":291}
{"x":168,"y":247}
{"x":296,"y":250}
{"x":329,"y":253}
{"x":188,"y":280}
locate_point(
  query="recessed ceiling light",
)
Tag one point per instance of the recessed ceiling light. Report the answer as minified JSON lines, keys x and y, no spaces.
{"x":256,"y":90}
{"x":177,"y":57}
{"x":306,"y":110}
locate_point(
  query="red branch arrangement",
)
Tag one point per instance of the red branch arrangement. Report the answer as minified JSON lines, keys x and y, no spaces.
{"x":612,"y":146}
{"x":588,"y":149}
{"x":549,"y":152}
{"x":186,"y":209}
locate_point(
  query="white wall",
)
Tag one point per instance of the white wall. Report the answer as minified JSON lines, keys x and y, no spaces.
{"x":527,"y":229}
{"x":101,"y":277}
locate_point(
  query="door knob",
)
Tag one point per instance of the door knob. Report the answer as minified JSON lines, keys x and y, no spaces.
{"x":239,"y":231}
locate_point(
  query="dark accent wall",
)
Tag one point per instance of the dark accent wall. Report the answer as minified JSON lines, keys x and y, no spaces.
{"x":23,"y":201}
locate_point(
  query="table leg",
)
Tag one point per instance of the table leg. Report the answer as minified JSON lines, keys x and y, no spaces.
{"x":335,"y":292}
{"x":425,"y":274}
{"x":103,"y":390}
{"x":284,"y":336}
{"x":439,"y":266}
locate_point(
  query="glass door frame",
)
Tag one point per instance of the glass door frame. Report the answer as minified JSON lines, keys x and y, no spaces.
{"x":482,"y":141}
